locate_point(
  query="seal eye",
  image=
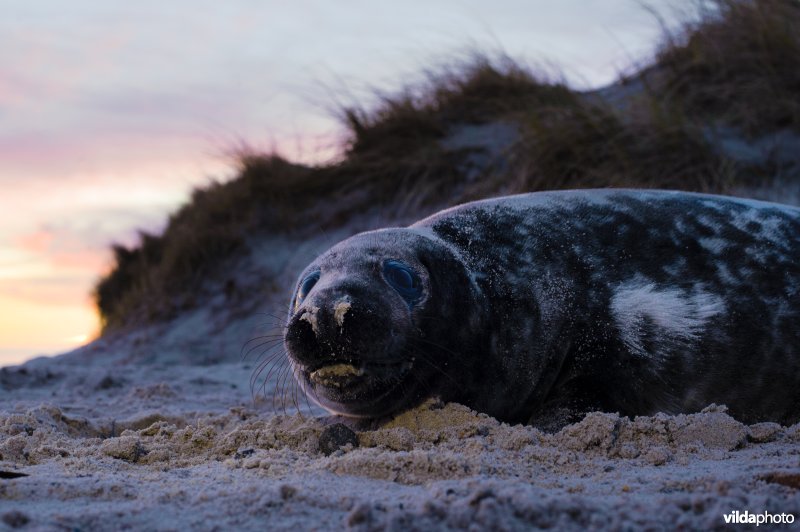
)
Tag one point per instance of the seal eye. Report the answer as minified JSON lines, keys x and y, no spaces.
{"x":305,"y":287}
{"x":403,"y":279}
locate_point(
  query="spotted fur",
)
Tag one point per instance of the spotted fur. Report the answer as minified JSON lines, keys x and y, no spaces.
{"x":541,"y":307}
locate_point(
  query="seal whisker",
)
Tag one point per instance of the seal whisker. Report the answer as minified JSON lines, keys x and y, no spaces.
{"x":275,"y":389}
{"x":285,"y":372}
{"x":307,"y":389}
{"x":305,"y":396}
{"x":296,"y":391}
{"x":271,"y":343}
{"x":281,"y":387}
{"x":276,"y":334}
{"x":294,"y":386}
{"x":438,"y":346}
{"x":299,"y":388}
{"x":273,"y":353}
{"x":278,"y":319}
{"x":273,"y":362}
{"x":424,"y":358}
{"x":256,"y":374}
{"x":289,"y":389}
{"x":293,"y":390}
{"x":264,"y":342}
{"x":417,"y":378}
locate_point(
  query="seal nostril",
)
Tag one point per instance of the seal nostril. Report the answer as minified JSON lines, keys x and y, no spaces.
{"x":302,"y":339}
{"x":310,"y":315}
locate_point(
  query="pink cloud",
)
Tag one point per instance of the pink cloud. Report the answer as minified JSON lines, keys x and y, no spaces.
{"x":65,"y":250}
{"x":36,"y":242}
{"x":61,"y":291}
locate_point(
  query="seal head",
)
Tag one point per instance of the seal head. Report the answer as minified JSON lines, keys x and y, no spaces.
{"x":364,"y":320}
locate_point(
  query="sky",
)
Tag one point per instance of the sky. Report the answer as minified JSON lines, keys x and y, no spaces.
{"x":111,"y":111}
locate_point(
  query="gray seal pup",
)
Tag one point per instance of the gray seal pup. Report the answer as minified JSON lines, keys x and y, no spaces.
{"x":538,"y":308}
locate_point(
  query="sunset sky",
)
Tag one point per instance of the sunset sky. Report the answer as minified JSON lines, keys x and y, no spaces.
{"x":110,"y":112}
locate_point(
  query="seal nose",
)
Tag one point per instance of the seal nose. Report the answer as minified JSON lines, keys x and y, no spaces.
{"x":313,"y":315}
{"x":319,"y":330}
{"x":336,"y":326}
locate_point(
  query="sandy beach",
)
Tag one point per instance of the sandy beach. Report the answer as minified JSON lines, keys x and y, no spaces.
{"x":98,"y":440}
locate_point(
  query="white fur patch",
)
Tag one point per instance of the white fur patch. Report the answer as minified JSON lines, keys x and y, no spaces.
{"x":714,"y":245}
{"x":679,"y":315}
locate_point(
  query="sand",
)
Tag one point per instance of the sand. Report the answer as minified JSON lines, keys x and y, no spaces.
{"x":107,"y":443}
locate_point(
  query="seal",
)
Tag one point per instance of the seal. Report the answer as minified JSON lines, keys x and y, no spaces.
{"x":539,"y":308}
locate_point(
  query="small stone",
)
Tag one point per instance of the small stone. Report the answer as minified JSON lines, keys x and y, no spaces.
{"x":244,"y":453}
{"x":108,"y":382}
{"x":286,"y":491}
{"x":336,"y":436}
{"x":15,"y":519}
{"x":360,"y":515}
{"x":434,"y":509}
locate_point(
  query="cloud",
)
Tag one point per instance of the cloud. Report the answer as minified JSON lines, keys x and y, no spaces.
{"x":36,"y":242}
{"x":58,"y":262}
{"x":51,"y":291}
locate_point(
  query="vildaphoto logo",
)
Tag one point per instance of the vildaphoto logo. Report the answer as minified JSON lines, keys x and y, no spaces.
{"x":764,"y":518}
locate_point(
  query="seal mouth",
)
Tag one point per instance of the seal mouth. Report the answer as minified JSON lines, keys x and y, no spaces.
{"x":357,"y":388}
{"x":336,"y":375}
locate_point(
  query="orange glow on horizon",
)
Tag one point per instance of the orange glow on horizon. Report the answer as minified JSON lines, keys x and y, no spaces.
{"x":29,"y":328}
{"x":79,"y":339}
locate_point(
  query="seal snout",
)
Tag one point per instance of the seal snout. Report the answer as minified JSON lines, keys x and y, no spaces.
{"x":337,"y":326}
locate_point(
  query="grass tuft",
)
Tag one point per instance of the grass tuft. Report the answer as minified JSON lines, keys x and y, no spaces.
{"x":159,"y":276}
{"x":739,"y":64}
{"x":587,"y":144}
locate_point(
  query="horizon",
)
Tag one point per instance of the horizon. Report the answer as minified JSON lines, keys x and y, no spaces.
{"x":104,"y":136}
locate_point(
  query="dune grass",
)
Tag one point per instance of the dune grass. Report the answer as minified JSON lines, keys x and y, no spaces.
{"x":397,"y":157}
{"x":162,"y":274}
{"x":739,"y":65}
{"x":584,"y":143}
